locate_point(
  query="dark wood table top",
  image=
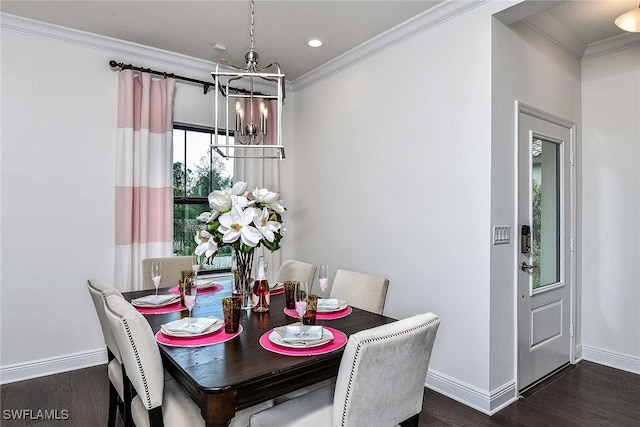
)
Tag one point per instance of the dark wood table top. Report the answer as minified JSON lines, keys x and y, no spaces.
{"x":239,"y":373}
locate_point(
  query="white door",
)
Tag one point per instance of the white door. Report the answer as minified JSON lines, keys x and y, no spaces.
{"x":545,"y":245}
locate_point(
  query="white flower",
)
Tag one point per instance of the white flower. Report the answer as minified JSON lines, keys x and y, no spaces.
{"x":219,"y":201}
{"x":206,"y":244}
{"x":268,"y":198}
{"x":208,"y":217}
{"x":235,"y":224}
{"x":240,"y":221}
{"x":222,"y":200}
{"x":240,"y":189}
{"x":264,"y":226}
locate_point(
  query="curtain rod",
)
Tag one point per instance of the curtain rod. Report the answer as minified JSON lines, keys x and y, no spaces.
{"x":205,"y":85}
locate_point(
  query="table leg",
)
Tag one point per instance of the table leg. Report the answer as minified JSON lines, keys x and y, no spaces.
{"x":218,"y":409}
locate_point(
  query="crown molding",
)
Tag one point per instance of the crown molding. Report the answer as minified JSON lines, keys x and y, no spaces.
{"x":612,"y":44}
{"x":44,"y":30}
{"x":173,"y":62}
{"x":436,"y":15}
{"x":553,"y":30}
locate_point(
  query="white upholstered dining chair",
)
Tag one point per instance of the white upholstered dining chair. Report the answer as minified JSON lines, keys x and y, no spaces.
{"x":293,"y":270}
{"x":380,"y":382}
{"x":159,"y":402}
{"x":361,"y":290}
{"x":118,"y":382}
{"x":171,"y":270}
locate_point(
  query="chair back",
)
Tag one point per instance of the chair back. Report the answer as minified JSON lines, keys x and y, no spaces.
{"x":383,"y":372}
{"x":139,"y":350}
{"x":99,"y":291}
{"x":362,"y":290}
{"x":293,"y":270}
{"x":171,"y":270}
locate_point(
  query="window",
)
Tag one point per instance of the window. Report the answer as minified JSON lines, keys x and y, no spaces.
{"x":196,"y":172}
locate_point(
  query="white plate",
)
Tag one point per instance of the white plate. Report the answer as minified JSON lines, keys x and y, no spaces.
{"x":149,"y":301}
{"x":342,"y":306}
{"x":177,"y":325}
{"x":275,"y":338}
{"x":206,"y":283}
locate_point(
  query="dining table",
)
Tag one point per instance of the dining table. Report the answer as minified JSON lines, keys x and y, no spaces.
{"x":229,"y":376}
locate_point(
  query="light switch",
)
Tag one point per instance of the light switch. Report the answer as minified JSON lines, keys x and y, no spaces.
{"x":501,"y":234}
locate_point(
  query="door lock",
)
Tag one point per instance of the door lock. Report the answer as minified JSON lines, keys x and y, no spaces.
{"x":524,"y":266}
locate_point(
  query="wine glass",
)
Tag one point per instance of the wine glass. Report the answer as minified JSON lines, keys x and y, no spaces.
{"x":190,"y":299}
{"x":195,"y":264}
{"x":302,"y":292}
{"x":156,"y":274}
{"x":323,"y":278}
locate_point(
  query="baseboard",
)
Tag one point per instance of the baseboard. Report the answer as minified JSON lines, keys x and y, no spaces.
{"x":611,"y":359}
{"x":486,"y":402}
{"x":53,"y":365}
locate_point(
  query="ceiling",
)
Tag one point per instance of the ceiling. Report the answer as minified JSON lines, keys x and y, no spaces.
{"x":193,"y":28}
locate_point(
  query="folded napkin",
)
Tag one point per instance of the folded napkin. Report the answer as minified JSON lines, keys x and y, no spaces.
{"x":276,"y":285}
{"x":152,"y":301}
{"x":181,"y":327}
{"x":328,"y":303}
{"x":315,"y":335}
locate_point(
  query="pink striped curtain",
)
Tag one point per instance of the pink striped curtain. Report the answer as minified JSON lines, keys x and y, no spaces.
{"x":144,"y":175}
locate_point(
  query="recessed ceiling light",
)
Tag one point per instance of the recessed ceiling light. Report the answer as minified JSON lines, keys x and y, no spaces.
{"x":219,"y":47}
{"x":314,"y":42}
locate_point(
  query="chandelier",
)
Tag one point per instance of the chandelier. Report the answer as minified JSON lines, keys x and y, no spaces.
{"x":248,"y":102}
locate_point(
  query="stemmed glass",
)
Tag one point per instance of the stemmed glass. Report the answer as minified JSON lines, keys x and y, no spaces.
{"x":190,"y":299}
{"x":323,"y":278}
{"x":156,"y":275}
{"x":195,"y":265}
{"x":302,"y":297}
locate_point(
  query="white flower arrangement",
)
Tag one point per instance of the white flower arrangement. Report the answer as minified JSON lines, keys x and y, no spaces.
{"x":241,"y":220}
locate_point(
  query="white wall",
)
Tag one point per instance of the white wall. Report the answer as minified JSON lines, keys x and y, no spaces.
{"x":392,"y":177}
{"x":611,"y":209}
{"x":529,"y":68}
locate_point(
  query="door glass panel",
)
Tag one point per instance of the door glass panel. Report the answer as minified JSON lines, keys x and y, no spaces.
{"x":545,"y":197}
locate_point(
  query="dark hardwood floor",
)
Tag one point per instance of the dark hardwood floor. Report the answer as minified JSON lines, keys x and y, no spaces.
{"x":586,"y":395}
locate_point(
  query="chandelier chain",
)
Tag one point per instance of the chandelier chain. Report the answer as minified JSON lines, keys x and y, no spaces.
{"x":251,"y":31}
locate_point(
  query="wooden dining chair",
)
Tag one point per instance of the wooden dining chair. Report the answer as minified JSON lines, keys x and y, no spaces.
{"x":119,"y":392}
{"x":293,"y":270}
{"x":361,"y":290}
{"x":380,"y":381}
{"x":171,"y":270}
{"x":159,"y":402}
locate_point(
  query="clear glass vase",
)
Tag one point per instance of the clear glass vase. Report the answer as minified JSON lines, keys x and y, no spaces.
{"x":243,"y":282}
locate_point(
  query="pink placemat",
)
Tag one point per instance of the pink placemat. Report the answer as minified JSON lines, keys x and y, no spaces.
{"x":322,"y":316}
{"x":339,"y":340}
{"x":209,"y":339}
{"x":215,"y":288}
{"x":161,"y":310}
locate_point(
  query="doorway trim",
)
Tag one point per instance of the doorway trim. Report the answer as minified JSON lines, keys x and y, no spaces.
{"x":571,"y":269}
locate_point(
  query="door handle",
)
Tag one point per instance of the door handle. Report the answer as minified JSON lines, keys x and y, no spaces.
{"x":524,"y":266}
